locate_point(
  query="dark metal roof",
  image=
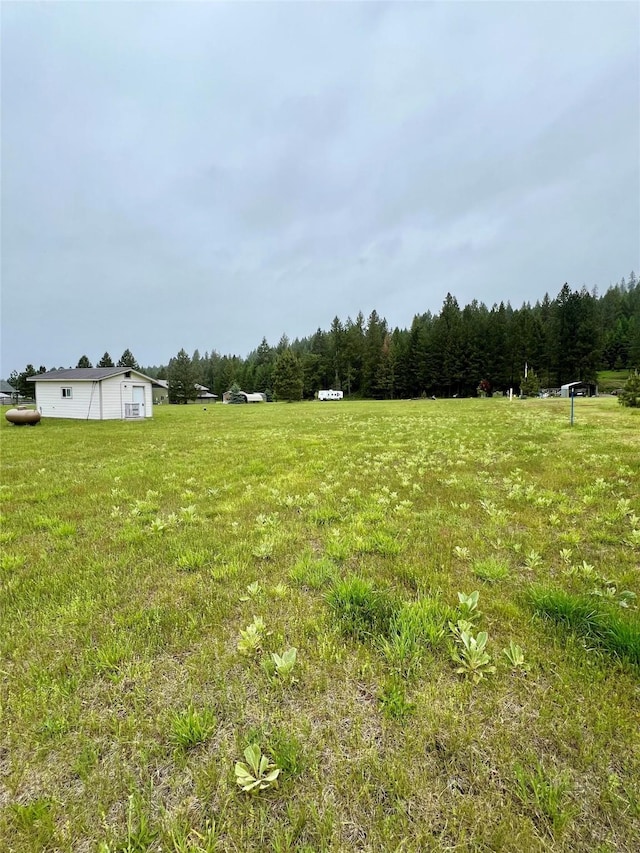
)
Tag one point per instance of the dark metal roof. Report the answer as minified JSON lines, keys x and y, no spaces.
{"x":84,"y":374}
{"x":5,"y":388}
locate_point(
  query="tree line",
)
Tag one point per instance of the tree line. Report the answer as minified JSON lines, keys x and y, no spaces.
{"x":18,"y":380}
{"x":459,"y":351}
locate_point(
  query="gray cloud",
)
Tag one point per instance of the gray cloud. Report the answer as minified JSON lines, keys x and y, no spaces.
{"x":201,"y":175}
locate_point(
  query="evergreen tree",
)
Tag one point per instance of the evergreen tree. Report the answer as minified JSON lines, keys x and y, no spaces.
{"x":448,"y":337}
{"x":336,"y":352}
{"x":633,"y":360}
{"x":283,"y":344}
{"x":19,"y":381}
{"x":106,"y":361}
{"x":311,"y":374}
{"x":630,"y":396}
{"x":373,"y":383}
{"x":386,"y":379}
{"x":263,"y":360}
{"x":84,"y":362}
{"x":234,"y":394}
{"x":288,"y":377}
{"x":354,"y":353}
{"x":180,"y":377}
{"x":198,"y":367}
{"x":127,"y":359}
{"x":530,"y":386}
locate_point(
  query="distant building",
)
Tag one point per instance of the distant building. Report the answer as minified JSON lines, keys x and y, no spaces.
{"x":205,"y":395}
{"x":161,"y":393}
{"x":8,"y":393}
{"x":248,"y":398}
{"x":579,"y":389}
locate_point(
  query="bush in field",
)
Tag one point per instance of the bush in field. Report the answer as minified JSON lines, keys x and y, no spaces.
{"x":530,"y":385}
{"x":630,"y":396}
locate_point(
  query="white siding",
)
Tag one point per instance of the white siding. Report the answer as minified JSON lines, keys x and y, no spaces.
{"x":84,"y":404}
{"x":111,"y":398}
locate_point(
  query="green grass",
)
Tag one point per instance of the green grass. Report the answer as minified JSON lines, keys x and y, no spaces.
{"x":586,"y":615}
{"x":134,"y":555}
{"x":611,"y":380}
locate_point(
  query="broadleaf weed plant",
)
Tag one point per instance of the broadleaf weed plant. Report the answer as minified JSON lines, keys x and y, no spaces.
{"x":256,"y":773}
{"x":254,"y":590}
{"x":468,"y":605}
{"x":514,"y":655}
{"x":250,"y":642}
{"x":284,"y":664}
{"x":470,"y":654}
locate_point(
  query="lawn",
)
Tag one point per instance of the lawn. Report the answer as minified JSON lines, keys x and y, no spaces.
{"x":156,"y":576}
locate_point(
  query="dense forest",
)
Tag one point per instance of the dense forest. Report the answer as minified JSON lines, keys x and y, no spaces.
{"x":567,"y":338}
{"x":455,"y":352}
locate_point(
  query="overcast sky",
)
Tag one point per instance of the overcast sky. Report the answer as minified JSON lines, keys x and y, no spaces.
{"x":203,"y":174}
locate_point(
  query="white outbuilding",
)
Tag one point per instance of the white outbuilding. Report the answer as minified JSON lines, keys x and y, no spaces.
{"x":94,"y":394}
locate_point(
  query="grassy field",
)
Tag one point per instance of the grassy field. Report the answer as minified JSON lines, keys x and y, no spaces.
{"x":156,"y":576}
{"x":611,"y":380}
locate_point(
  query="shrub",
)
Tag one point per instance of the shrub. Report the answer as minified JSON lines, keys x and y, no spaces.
{"x":630,"y":395}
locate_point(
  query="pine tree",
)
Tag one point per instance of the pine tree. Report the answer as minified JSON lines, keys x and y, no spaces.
{"x":106,"y":361}
{"x":630,"y":396}
{"x":127,"y":359}
{"x":287,"y":377}
{"x":372,"y":362}
{"x":19,"y":381}
{"x":180,"y":377}
{"x":235,"y":395}
{"x":84,"y":362}
{"x":530,"y":386}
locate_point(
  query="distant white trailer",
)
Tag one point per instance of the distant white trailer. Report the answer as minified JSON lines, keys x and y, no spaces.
{"x":330,"y":395}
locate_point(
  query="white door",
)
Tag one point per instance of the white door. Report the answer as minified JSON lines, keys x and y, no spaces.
{"x":138,"y":399}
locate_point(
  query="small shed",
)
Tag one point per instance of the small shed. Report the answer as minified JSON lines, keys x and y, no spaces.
{"x":256,"y":397}
{"x":94,"y":394}
{"x":579,"y":389}
{"x":8,"y":393}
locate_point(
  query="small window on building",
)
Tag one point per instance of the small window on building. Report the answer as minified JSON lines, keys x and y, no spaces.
{"x":127,"y":375}
{"x":67,"y":392}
